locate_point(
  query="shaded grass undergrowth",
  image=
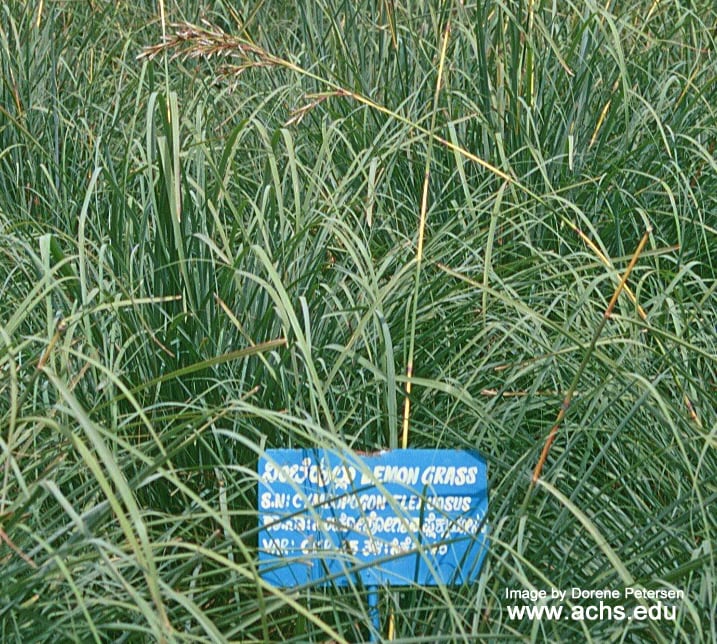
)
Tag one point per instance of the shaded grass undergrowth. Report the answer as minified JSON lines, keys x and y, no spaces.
{"x":231,"y":240}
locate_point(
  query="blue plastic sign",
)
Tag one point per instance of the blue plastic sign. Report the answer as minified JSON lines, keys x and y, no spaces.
{"x":398,"y":517}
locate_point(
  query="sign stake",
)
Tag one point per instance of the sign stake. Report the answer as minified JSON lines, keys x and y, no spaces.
{"x":373,"y":612}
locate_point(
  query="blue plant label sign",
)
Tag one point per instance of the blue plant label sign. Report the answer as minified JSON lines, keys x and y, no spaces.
{"x":400,"y":517}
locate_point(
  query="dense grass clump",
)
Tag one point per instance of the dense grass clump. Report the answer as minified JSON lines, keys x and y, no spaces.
{"x":229,"y":228}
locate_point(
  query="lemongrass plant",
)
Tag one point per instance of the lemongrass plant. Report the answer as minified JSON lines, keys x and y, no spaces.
{"x":210,"y":221}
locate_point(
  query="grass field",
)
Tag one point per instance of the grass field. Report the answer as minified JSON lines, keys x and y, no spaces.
{"x":230,"y":226}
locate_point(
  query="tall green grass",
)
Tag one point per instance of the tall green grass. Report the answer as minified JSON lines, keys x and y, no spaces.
{"x":212,"y":250}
